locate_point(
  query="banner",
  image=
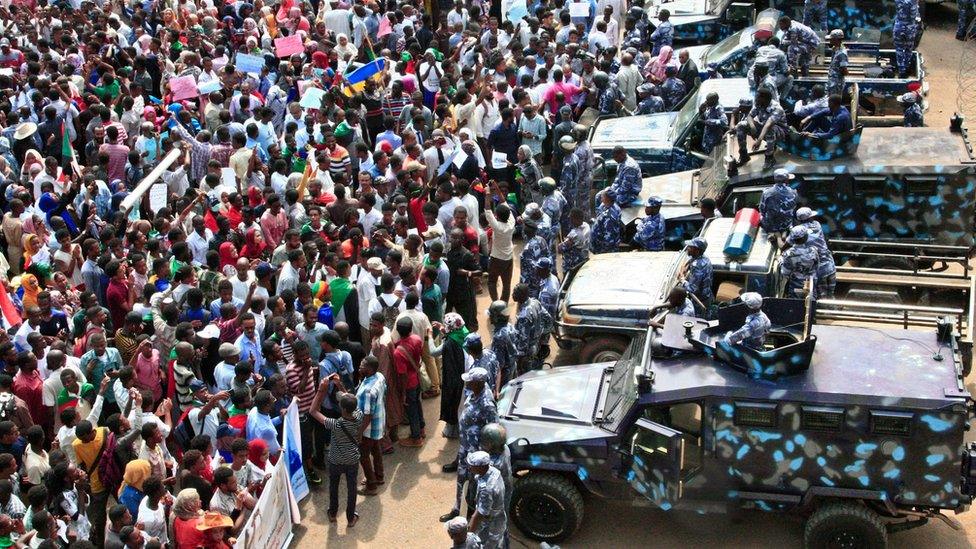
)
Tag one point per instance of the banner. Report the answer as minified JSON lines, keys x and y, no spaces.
{"x":288,"y":45}
{"x":270,"y":524}
{"x":291,"y":452}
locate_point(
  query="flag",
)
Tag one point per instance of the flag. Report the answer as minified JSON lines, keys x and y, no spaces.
{"x":10,"y":316}
{"x":368,"y":50}
{"x":356,"y":80}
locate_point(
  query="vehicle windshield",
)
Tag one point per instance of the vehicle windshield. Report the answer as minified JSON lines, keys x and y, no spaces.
{"x":622,"y":391}
{"x":714,"y":7}
{"x":686,"y":117}
{"x":720,"y":51}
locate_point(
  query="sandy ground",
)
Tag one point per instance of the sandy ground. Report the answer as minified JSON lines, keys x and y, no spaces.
{"x":406,"y":512}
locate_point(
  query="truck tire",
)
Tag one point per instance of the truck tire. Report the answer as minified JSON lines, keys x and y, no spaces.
{"x":840,"y":525}
{"x":546,"y":507}
{"x":603,"y":349}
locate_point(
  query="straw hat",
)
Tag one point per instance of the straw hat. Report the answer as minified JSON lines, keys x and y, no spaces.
{"x":212,"y":520}
{"x":25,"y":130}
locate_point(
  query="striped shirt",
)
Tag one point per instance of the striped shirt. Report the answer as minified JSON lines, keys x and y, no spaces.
{"x":371,"y":399}
{"x":301,"y":384}
{"x":339,"y":158}
{"x":344,"y":450}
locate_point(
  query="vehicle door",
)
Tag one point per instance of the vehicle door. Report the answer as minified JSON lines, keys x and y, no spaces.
{"x":654,"y":471}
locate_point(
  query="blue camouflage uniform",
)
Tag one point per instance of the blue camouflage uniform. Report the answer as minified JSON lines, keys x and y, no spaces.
{"x":810,"y":107}
{"x":761,"y":114}
{"x":904,"y":32}
{"x":531,"y":325}
{"x":490,"y":504}
{"x":663,"y":35}
{"x":584,"y":184}
{"x":607,"y":100}
{"x":815,"y":14}
{"x":535,"y":249}
{"x":555,"y":206}
{"x":627,"y":184}
{"x":503,"y":462}
{"x":548,"y":230}
{"x":650,"y":233}
{"x":835,"y":78}
{"x":716,"y":124}
{"x":797,"y":265}
{"x":606,"y":233}
{"x":575,"y":247}
{"x":768,"y":82}
{"x":753,"y":332}
{"x":672,"y":91}
{"x":476,"y":412}
{"x":776,"y":61}
{"x":503,"y":345}
{"x":651,"y":104}
{"x":569,"y":175}
{"x":801,"y":42}
{"x":489,"y":362}
{"x":549,"y":294}
{"x":826,"y":268}
{"x":699,"y":281}
{"x":966,"y":9}
{"x":687,"y":308}
{"x":913,"y":116}
{"x":633,"y":38}
{"x":776,"y":207}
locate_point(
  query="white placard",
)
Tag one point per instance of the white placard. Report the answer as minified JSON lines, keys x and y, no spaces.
{"x":158,"y":196}
{"x":499,"y":160}
{"x":579,"y":9}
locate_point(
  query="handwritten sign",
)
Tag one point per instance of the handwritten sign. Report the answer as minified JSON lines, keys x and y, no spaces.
{"x":158,"y":194}
{"x":459,"y":158}
{"x":228,"y":178}
{"x":288,"y":45}
{"x":183,"y":87}
{"x":249,"y":63}
{"x":579,"y":9}
{"x":208,"y":87}
{"x":499,"y":160}
{"x":312,"y":98}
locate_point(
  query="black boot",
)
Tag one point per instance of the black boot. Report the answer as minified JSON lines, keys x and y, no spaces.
{"x":770,"y":162}
{"x":448,"y":516}
{"x":451,"y":467}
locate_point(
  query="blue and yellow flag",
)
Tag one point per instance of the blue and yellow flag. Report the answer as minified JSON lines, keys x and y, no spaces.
{"x":356,"y":80}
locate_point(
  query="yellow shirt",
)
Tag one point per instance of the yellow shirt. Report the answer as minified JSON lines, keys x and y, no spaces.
{"x":87,"y":453}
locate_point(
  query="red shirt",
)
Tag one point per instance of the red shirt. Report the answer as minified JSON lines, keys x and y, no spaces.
{"x":569,"y":94}
{"x":30,"y":388}
{"x":186,"y":534}
{"x":117,"y":294}
{"x":416,"y":209}
{"x":406,"y":358}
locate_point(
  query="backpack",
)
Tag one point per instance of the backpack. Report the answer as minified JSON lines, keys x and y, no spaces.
{"x":390,"y":312}
{"x":183,"y":430}
{"x":109,"y":470}
{"x":8,"y":406}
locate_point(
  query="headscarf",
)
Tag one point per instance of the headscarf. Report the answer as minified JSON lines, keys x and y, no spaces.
{"x":456,"y":330}
{"x":254,"y":198}
{"x":255,"y":453}
{"x":136,"y":472}
{"x":28,"y":282}
{"x":185,"y":500}
{"x":26,"y":245}
{"x":657,"y":67}
{"x":52,"y":207}
{"x":320,"y":60}
{"x":228,"y":254}
{"x":252,"y":249}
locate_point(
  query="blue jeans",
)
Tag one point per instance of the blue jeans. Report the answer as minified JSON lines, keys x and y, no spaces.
{"x":415,"y":413}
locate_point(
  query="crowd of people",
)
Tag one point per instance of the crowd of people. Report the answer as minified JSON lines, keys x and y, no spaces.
{"x":190,"y":243}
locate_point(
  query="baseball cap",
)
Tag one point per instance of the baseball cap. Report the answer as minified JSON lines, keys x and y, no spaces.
{"x":805,"y":213}
{"x":374,"y":263}
{"x":196,"y":386}
{"x":263,"y":270}
{"x":654,"y":201}
{"x":210,"y":331}
{"x":782,"y":175}
{"x":752,"y":300}
{"x":472,"y":339}
{"x":475,"y":374}
{"x":479,"y":458}
{"x":543,"y":263}
{"x":797,"y":233}
{"x":836,"y":33}
{"x":697,"y":242}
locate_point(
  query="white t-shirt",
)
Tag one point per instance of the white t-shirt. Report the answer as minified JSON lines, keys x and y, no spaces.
{"x":153,"y":522}
{"x":433,"y":81}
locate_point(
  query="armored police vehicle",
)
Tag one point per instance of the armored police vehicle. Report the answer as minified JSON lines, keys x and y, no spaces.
{"x":701,"y":21}
{"x":608,"y":300}
{"x":859,"y":429}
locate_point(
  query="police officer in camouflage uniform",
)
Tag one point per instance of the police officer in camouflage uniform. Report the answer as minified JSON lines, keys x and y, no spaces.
{"x":532,"y":324}
{"x":650,"y":99}
{"x":494,"y":440}
{"x":766,"y":123}
{"x":477,"y":411}
{"x":966,"y":11}
{"x":650,"y":229}
{"x":490,"y":519}
{"x":627,"y":183}
{"x":799,"y":262}
{"x":503,"y":340}
{"x":815,"y":14}
{"x":607,"y":94}
{"x":536,"y":247}
{"x":484,"y":358}
{"x":571,"y":171}
{"x":584,"y":155}
{"x":545,"y":226}
{"x":777,"y":203}
{"x":761,"y":79}
{"x":913,"y":111}
{"x":698,"y":274}
{"x":826,"y":268}
{"x":672,"y":89}
{"x":554,"y":203}
{"x":548,"y":286}
{"x":677,"y":303}
{"x":801,"y":42}
{"x":753,"y":332}
{"x":606,"y":232}
{"x":837,"y":70}
{"x":904,"y":33}
{"x":715,"y":120}
{"x":663,"y":35}
{"x":777,"y":64}
{"x":563,"y":128}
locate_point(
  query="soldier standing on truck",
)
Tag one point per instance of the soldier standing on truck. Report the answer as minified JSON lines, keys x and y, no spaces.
{"x":753,"y":332}
{"x":904,"y":33}
{"x":697,"y":275}
{"x":801,"y":41}
{"x":815,"y":14}
{"x":826,"y":268}
{"x":913,"y":111}
{"x":777,"y":203}
{"x":837,"y":70}
{"x":799,"y":262}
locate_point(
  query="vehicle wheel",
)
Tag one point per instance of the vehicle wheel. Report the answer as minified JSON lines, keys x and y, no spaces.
{"x":603,"y":349}
{"x":546,"y":507}
{"x":845,"y":525}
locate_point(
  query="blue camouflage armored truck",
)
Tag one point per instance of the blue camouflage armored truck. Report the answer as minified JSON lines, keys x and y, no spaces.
{"x":860,"y":430}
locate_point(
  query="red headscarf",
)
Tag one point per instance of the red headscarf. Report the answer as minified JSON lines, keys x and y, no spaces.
{"x":320,"y":60}
{"x":252,"y":248}
{"x":254,"y":197}
{"x":255,"y":452}
{"x":228,"y":254}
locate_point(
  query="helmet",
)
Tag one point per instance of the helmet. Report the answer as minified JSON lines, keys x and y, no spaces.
{"x":601,"y":79}
{"x":547,"y":185}
{"x":493,"y":438}
{"x":567,"y":143}
{"x":497,"y":310}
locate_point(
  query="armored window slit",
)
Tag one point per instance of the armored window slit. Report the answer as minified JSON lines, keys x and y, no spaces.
{"x":821,"y":418}
{"x":755,"y":414}
{"x":891,"y":423}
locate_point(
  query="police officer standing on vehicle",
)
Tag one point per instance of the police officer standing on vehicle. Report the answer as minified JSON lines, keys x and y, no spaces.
{"x":904,"y":33}
{"x":477,"y":411}
{"x":650,"y":229}
{"x":490,"y":519}
{"x":698,"y":274}
{"x":826,"y":268}
{"x":753,"y":332}
{"x":913,"y":111}
{"x":801,"y":42}
{"x":777,"y":203}
{"x":837,"y":70}
{"x":799,"y":262}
